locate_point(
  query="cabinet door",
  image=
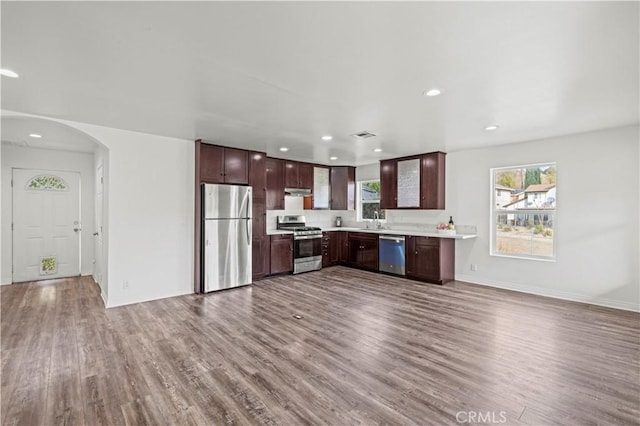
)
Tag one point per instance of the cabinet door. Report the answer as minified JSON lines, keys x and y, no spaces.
{"x":343,"y":189}
{"x":305,"y":175}
{"x":281,"y":254}
{"x":353,"y":249}
{"x":334,"y":247}
{"x":275,"y":184}
{"x":320,"y":188}
{"x":260,"y":257}
{"x":259,"y":218}
{"x":408,"y":183}
{"x":388,"y":184}
{"x":291,"y":174}
{"x":343,"y":247}
{"x":369,"y":253}
{"x":433,"y":181}
{"x":428,"y":265}
{"x":236,"y":166}
{"x":258,"y":174}
{"x":410,"y":255}
{"x":211,"y":163}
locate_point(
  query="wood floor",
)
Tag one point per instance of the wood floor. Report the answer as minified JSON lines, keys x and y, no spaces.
{"x":369,"y":349}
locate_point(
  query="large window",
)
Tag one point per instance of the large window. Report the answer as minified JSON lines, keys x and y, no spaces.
{"x":369,"y":200}
{"x":523,"y":211}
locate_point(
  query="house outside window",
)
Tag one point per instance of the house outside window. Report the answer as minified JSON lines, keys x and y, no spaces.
{"x":523,"y":211}
{"x":368,"y":200}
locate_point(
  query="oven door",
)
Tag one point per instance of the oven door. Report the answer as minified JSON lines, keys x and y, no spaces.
{"x":307,"y":246}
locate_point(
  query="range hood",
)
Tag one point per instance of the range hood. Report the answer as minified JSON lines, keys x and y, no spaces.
{"x":297,"y":192}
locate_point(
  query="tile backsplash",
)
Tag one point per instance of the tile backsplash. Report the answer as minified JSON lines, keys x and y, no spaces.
{"x":426,"y":220}
{"x":321,"y":218}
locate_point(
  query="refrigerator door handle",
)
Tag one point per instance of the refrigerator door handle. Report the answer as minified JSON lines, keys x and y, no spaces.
{"x":248,"y":225}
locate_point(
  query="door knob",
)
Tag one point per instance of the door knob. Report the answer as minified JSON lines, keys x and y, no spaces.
{"x":76,"y":229}
{"x":95,"y":234}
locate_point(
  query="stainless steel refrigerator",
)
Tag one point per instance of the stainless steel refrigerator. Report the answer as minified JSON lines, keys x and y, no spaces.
{"x":226,"y":236}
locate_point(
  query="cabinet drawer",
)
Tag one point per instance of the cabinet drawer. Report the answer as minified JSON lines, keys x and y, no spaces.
{"x":427,"y":241}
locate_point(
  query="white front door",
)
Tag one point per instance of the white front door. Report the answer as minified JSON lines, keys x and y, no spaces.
{"x":46,"y":224}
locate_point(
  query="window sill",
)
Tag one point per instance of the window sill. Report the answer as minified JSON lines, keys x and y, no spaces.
{"x":523,"y":257}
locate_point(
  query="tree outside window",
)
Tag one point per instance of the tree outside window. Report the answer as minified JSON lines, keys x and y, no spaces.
{"x":369,"y":200}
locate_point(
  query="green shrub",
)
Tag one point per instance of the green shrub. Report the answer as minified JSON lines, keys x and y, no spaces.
{"x":539,"y":229}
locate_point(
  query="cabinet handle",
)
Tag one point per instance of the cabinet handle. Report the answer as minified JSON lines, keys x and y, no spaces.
{"x":416,"y":253}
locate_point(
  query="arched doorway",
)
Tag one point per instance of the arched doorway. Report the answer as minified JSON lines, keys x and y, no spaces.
{"x":53,"y":216}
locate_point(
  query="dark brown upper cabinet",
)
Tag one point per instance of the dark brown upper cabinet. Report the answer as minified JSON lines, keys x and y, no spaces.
{"x":275,"y":184}
{"x":258,"y":174}
{"x":343,"y":188}
{"x":433,"y":179}
{"x":416,"y":182}
{"x":298,"y":175}
{"x":321,"y":189}
{"x":220,"y":164}
{"x":388,"y":184}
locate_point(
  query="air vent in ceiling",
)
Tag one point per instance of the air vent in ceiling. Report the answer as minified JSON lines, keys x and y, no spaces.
{"x":363,"y":135}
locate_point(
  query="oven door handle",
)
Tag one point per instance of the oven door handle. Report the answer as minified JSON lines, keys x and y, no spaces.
{"x":307,"y":237}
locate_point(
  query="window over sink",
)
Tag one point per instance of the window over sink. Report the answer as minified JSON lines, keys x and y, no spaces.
{"x":368,"y":200}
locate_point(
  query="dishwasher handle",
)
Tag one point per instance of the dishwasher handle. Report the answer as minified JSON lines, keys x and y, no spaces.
{"x":397,"y":238}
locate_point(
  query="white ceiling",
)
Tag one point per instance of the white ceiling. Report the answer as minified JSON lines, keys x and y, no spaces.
{"x":16,"y":131}
{"x":262,"y":75}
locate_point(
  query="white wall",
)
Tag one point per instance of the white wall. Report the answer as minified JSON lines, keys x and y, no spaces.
{"x":150,"y":214}
{"x":597,"y":242}
{"x":30,"y":158}
{"x":101,"y":267}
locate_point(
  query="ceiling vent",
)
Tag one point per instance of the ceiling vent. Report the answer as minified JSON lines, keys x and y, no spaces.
{"x":363,"y":135}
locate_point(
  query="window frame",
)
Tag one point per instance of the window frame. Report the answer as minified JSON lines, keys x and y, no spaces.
{"x":494,"y":212}
{"x":359,"y":201}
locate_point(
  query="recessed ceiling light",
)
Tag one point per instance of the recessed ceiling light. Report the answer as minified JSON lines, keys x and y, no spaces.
{"x":284,"y":149}
{"x":377,"y":150}
{"x":492,"y":127}
{"x":431,"y":92}
{"x":8,"y":73}
{"x":333,"y":158}
{"x":327,"y":138}
{"x":35,"y":135}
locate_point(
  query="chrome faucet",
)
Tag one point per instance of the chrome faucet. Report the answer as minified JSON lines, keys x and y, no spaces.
{"x":376,"y":220}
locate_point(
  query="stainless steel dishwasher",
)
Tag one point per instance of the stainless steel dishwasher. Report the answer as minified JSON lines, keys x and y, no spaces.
{"x":391,"y":254}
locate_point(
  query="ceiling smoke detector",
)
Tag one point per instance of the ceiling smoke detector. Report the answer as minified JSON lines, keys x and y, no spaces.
{"x":363,"y":135}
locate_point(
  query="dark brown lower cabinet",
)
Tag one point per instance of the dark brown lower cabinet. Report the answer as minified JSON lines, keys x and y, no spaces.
{"x":330,"y":248}
{"x":260,"y":251}
{"x":430,"y":259}
{"x":343,"y":247}
{"x":281,"y":254}
{"x":363,"y":250}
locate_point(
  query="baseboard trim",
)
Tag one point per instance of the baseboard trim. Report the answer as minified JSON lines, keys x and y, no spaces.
{"x":574,"y":297}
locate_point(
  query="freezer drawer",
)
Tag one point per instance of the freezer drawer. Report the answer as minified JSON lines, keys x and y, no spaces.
{"x":227,"y":253}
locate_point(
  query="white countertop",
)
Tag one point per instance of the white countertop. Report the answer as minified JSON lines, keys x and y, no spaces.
{"x":415,"y":233}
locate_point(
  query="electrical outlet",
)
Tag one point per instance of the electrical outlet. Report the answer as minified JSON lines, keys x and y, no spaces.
{"x":473,"y":267}
{"x":125,"y":284}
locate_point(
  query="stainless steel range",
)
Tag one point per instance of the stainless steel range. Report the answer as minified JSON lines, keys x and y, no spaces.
{"x":307,"y":243}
